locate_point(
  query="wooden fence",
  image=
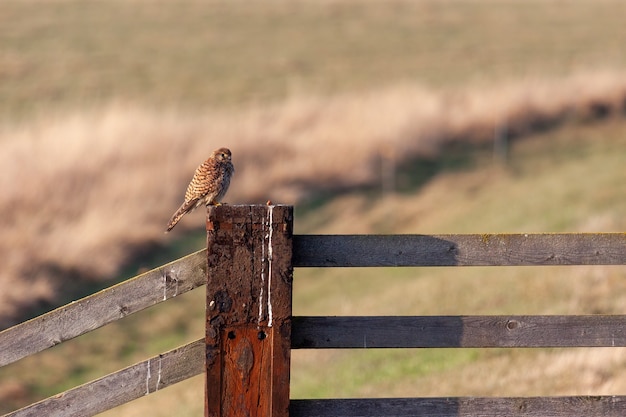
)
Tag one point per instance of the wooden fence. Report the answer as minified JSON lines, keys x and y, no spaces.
{"x":245,"y":354}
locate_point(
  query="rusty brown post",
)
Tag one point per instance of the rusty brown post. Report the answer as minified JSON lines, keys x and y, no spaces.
{"x":248,"y":315}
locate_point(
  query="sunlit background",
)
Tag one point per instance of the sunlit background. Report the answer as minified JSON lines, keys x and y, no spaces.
{"x":397,"y":116}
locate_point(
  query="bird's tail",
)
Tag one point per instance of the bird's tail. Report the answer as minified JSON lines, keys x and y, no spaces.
{"x":182,"y":210}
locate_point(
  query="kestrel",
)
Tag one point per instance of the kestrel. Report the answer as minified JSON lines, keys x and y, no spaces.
{"x":208,"y":185}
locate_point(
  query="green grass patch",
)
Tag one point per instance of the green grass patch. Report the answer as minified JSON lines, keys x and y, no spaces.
{"x":366,"y":373}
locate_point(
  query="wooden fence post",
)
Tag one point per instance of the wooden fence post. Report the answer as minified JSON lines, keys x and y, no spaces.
{"x":248,"y":315}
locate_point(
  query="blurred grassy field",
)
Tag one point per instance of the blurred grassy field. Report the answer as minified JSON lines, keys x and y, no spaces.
{"x":105,"y":108}
{"x":65,"y":54}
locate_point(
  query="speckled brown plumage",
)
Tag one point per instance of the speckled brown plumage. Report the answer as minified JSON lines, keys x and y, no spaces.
{"x":208,"y":185}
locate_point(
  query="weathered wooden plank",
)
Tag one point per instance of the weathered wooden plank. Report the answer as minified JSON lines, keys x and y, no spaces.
{"x":458,"y":331}
{"x":122,"y":386}
{"x":584,"y":406}
{"x":110,"y":304}
{"x":248,"y":324}
{"x":459,"y":250}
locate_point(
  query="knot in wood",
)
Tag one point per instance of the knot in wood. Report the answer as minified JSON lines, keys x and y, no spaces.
{"x":244,"y":358}
{"x":512,"y":324}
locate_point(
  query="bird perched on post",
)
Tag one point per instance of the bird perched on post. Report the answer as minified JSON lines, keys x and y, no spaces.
{"x":208,"y":185}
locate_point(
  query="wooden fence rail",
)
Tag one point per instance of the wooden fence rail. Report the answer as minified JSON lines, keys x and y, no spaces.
{"x":608,"y":406}
{"x":251,"y":252}
{"x":458,"y":331}
{"x":143,"y":378}
{"x":460,"y":250}
{"x":106,"y":306}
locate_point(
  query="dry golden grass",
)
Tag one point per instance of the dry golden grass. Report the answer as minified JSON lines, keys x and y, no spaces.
{"x":83,"y":193}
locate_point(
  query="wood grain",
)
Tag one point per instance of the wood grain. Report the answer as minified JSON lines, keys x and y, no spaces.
{"x":458,"y":331}
{"x":248,"y":319}
{"x":585,"y":406}
{"x":122,"y":386}
{"x":104,"y":307}
{"x":459,"y":250}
